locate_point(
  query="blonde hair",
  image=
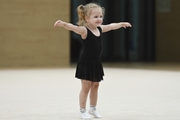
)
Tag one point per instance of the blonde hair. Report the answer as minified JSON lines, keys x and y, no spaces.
{"x":85,"y":10}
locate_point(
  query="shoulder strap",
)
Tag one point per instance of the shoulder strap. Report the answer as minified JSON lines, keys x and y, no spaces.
{"x":99,"y":28}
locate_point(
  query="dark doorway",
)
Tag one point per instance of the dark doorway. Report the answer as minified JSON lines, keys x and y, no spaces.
{"x":134,"y":44}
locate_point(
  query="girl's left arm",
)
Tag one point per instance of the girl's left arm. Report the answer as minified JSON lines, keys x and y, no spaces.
{"x":114,"y":26}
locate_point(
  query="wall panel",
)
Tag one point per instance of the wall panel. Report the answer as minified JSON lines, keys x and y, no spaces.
{"x":167,"y":31}
{"x":27,"y":35}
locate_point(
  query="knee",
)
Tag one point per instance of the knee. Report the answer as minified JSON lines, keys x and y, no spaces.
{"x":86,"y":89}
{"x":95,"y":86}
{"x":86,"y":86}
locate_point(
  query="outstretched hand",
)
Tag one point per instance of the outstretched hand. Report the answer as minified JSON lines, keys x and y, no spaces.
{"x":126,"y":24}
{"x":58,"y":23}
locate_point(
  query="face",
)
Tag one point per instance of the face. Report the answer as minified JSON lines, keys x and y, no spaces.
{"x":95,"y":18}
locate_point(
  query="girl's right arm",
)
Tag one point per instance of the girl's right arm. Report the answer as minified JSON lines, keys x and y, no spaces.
{"x":77,"y":29}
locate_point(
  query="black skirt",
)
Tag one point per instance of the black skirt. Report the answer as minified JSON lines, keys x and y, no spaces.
{"x":90,"y":69}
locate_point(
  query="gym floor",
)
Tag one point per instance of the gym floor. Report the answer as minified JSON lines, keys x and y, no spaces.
{"x":128,"y":92}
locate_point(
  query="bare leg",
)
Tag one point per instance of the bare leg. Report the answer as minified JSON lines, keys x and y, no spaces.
{"x":94,"y":93}
{"x":93,"y":100}
{"x":86,"y":85}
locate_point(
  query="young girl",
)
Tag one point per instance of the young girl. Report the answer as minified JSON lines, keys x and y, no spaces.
{"x":89,"y":68}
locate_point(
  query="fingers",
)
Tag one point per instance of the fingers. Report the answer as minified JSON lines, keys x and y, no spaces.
{"x":128,"y":25}
{"x":56,"y":23}
{"x":125,"y":26}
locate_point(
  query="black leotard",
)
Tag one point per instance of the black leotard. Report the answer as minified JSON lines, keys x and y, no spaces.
{"x":89,"y":66}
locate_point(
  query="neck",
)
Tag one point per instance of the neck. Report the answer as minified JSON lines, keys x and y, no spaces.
{"x":91,"y":27}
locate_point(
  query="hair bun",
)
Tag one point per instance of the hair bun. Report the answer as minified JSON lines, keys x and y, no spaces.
{"x":81,"y":7}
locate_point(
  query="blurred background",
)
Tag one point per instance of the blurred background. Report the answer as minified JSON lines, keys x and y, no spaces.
{"x":29,"y":40}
